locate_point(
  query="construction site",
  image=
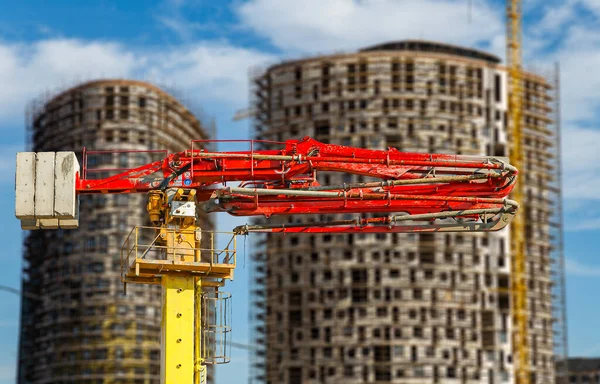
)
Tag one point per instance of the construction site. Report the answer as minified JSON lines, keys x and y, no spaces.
{"x":404,"y":202}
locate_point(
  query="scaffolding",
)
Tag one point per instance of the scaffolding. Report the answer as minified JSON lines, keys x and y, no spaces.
{"x":561,"y":343}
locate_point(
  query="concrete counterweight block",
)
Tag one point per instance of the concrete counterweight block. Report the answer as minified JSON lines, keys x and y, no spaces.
{"x":25,"y":186}
{"x":45,"y":187}
{"x":66,"y":204}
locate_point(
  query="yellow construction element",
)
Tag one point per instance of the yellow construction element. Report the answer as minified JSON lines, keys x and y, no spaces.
{"x":183,"y":259}
{"x":149,"y":253}
{"x":156,"y":200}
{"x":178,"y":329}
{"x":518,"y":249}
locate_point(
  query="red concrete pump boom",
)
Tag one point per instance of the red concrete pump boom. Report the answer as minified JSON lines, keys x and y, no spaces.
{"x":441,"y":192}
{"x":395,"y":192}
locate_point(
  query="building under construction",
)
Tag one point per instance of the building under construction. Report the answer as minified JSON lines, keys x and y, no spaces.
{"x":77,"y":326}
{"x":584,"y":370}
{"x":407,"y":308}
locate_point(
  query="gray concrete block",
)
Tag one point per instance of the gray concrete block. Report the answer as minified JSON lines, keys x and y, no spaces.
{"x":44,"y":185}
{"x":65,"y":200}
{"x":25,"y":186}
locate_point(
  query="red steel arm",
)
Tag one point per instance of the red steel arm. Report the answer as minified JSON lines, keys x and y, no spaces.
{"x":284,"y":182}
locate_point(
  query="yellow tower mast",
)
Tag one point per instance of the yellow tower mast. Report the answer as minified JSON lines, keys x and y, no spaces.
{"x":518,"y":249}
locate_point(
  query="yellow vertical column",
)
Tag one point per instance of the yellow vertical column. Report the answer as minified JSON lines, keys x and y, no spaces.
{"x":177,"y":330}
{"x":521,"y":353}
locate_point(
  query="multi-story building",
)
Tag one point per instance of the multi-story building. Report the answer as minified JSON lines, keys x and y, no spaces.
{"x":77,"y":326}
{"x":402,"y":308}
{"x":584,"y":370}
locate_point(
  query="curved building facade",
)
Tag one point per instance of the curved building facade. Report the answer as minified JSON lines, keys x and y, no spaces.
{"x":402,"y":308}
{"x":77,"y":326}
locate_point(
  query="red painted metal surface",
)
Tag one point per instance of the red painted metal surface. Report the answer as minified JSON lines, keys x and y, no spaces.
{"x":283,"y":182}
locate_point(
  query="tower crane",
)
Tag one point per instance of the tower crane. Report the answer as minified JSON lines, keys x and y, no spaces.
{"x":405,"y":192}
{"x":518,"y":248}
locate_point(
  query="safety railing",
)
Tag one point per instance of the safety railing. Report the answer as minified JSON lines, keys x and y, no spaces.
{"x":200,"y":145}
{"x":149,"y":252}
{"x":99,"y":164}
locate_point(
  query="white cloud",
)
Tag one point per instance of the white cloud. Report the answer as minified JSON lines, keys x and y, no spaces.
{"x":569,"y":32}
{"x":181,"y":27}
{"x":585,"y":225}
{"x":581,"y":178}
{"x":555,"y":16}
{"x":27,"y":70}
{"x":211,"y":70}
{"x":592,"y":5}
{"x":581,"y":163}
{"x":578,"y":51}
{"x":579,"y":58}
{"x":575,"y":268}
{"x":326,"y":26}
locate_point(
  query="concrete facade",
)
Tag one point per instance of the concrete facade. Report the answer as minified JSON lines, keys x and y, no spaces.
{"x":76,"y":324}
{"x":401,"y":308}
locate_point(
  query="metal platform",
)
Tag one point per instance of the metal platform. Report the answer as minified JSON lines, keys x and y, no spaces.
{"x":149,"y":253}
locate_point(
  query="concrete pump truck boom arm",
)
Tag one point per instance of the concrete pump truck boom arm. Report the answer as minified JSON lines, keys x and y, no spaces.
{"x":406,"y":192}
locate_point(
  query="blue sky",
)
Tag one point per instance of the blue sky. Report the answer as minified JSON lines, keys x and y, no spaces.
{"x":205,"y":49}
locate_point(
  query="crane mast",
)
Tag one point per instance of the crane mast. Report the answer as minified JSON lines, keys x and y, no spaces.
{"x":518,"y":248}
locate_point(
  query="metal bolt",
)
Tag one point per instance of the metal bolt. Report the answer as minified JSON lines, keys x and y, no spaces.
{"x":179,"y":315}
{"x":178,"y":366}
{"x":179,"y":290}
{"x":179,"y":340}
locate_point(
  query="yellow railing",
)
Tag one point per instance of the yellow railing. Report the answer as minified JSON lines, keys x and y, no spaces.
{"x":178,"y":247}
